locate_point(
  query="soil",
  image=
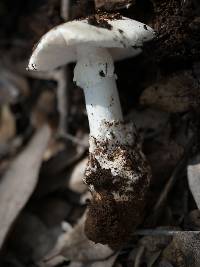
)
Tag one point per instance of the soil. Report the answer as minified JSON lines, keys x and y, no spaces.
{"x":110,"y":221}
{"x":100,"y":19}
{"x":177,"y":38}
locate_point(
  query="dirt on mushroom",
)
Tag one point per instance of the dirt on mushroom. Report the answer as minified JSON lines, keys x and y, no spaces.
{"x":100,"y":19}
{"x":110,"y":221}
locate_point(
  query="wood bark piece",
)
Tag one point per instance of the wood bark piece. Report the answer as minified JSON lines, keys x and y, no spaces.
{"x":18,"y":183}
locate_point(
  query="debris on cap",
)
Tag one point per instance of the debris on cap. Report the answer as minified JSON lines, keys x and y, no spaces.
{"x":110,"y":5}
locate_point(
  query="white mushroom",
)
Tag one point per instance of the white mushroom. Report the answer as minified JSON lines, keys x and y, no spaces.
{"x":117,"y":165}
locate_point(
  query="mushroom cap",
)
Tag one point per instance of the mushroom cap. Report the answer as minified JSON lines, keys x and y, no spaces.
{"x":124,"y":39}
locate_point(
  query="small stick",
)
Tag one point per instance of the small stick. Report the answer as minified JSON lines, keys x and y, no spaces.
{"x":75,"y":140}
{"x":139,"y":256}
{"x":65,"y":9}
{"x":158,"y":232}
{"x":63,"y":80}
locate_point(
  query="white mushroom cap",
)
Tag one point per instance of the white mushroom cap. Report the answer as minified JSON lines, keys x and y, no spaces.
{"x":59,"y":45}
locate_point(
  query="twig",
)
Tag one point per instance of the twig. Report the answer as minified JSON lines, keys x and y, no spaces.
{"x":139,"y":257}
{"x":65,"y":9}
{"x":62,"y":79}
{"x":158,"y":232}
{"x":75,"y":140}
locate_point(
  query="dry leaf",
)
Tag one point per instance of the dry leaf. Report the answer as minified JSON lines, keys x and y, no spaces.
{"x":193,"y":173}
{"x":106,"y":263}
{"x":177,"y":93}
{"x":192,"y":220}
{"x":54,"y":173}
{"x":148,"y":250}
{"x":18,"y":183}
{"x":163,"y":156}
{"x":7,"y":125}
{"x":75,"y":246}
{"x":44,"y":110}
{"x":78,"y":247}
{"x":184,"y":250}
{"x":165,"y":263}
{"x":11,"y":86}
{"x":52,"y":210}
{"x":30,"y":238}
{"x":76,"y":183}
{"x":149,"y":122}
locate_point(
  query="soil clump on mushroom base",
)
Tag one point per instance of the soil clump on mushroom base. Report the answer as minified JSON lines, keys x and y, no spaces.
{"x":111,"y":220}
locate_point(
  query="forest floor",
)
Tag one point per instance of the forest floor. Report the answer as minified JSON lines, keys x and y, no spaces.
{"x":44,"y":139}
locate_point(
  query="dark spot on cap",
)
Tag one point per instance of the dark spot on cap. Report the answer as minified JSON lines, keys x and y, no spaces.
{"x":102,"y":74}
{"x":145,"y":27}
{"x":106,"y":68}
{"x":122,"y":43}
{"x":121,"y":31}
{"x":34,"y":66}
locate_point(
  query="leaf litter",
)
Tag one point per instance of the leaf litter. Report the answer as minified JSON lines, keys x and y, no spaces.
{"x":43,"y":199}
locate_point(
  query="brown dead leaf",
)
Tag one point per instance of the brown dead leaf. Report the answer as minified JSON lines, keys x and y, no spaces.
{"x":177,"y":93}
{"x":18,"y":183}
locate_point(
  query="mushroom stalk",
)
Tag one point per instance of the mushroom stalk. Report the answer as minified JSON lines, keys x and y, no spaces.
{"x":94,"y":72}
{"x":117,"y":173}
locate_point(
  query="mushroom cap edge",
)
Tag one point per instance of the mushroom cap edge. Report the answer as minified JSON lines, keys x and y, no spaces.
{"x":58,"y":46}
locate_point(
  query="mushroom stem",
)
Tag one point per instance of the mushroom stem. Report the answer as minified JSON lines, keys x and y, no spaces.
{"x":94,"y":72}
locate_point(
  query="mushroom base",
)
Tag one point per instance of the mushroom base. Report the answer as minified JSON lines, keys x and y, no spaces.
{"x":118,"y":202}
{"x":112,"y":222}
